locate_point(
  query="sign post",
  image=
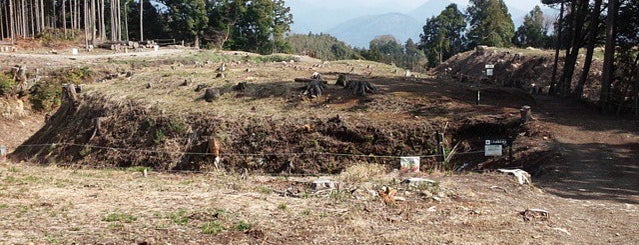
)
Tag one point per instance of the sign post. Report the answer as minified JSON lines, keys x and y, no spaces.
{"x":495,"y":148}
{"x":3,"y":153}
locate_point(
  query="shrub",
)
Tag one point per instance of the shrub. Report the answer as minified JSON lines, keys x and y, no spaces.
{"x":6,"y":84}
{"x":212,"y":227}
{"x":46,"y":95}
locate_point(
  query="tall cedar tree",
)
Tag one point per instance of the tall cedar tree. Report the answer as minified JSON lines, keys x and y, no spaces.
{"x":443,"y":35}
{"x":490,"y":23}
{"x":261,"y":27}
{"x":188,"y":18}
{"x":532,"y":33}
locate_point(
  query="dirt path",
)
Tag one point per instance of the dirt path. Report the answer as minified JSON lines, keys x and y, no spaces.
{"x":601,"y":153}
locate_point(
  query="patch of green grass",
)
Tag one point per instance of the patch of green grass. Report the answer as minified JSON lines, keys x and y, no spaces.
{"x":51,"y":239}
{"x":179,"y":217}
{"x":213,"y":227}
{"x":11,"y":180}
{"x":32,"y":179}
{"x":13,"y":169}
{"x":138,"y":169}
{"x":22,"y":211}
{"x":242,"y":226}
{"x":272,"y":58}
{"x":282,"y":206}
{"x":265,"y":190}
{"x":3,"y":206}
{"x":306,"y":212}
{"x":119,"y":217}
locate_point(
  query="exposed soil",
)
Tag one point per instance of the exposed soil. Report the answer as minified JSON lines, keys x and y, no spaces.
{"x":270,"y":126}
{"x":600,"y":154}
{"x":585,"y":164}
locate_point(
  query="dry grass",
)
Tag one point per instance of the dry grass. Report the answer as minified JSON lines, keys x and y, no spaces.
{"x":46,"y":205}
{"x":364,"y":172}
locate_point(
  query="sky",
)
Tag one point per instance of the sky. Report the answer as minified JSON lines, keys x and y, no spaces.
{"x":520,"y":4}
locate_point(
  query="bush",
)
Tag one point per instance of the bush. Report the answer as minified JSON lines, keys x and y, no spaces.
{"x":6,"y":84}
{"x":46,"y":95}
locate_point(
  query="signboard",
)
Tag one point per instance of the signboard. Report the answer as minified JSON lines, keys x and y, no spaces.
{"x":3,"y":153}
{"x":489,"y":70}
{"x":409,"y":164}
{"x":496,"y":147}
{"x":493,"y":150}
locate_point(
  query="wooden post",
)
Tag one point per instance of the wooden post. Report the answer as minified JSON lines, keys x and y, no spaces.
{"x":441,"y":145}
{"x":525,"y":113}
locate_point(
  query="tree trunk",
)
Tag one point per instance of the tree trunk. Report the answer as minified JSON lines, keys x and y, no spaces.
{"x":609,"y":55}
{"x":64,"y":17}
{"x":593,"y":30}
{"x":141,"y":21}
{"x":86,"y":26}
{"x":12,"y":22}
{"x":126,"y":20}
{"x":572,"y":53}
{"x":42,"y":24}
{"x":553,"y":85}
{"x":2,"y":23}
{"x":102,"y":21}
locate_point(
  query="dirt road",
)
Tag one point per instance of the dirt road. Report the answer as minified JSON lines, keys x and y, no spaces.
{"x":601,"y":153}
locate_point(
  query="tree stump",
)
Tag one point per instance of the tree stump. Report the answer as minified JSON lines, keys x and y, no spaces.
{"x":526,"y":114}
{"x":314,"y":88}
{"x":341,"y":80}
{"x":240,"y":86}
{"x":69,"y":93}
{"x":211,"y":94}
{"x":200,"y":87}
{"x":360,"y":88}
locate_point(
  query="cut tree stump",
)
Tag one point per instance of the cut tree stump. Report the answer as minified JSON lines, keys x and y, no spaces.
{"x":211,"y":94}
{"x":315,"y":88}
{"x":341,"y":80}
{"x":200,"y":87}
{"x":361,"y":88}
{"x":240,"y":86}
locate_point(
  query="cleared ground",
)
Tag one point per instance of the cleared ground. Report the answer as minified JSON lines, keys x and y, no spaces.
{"x":588,"y":183}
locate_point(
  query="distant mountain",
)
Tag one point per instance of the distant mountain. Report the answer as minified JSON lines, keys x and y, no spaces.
{"x":357,"y":24}
{"x":317,"y":17}
{"x":360,"y":31}
{"x":430,"y":9}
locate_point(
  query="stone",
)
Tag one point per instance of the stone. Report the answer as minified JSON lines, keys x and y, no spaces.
{"x":324,"y":184}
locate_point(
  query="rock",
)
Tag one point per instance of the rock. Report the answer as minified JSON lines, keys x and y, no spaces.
{"x":419,"y":182}
{"x":324,"y":184}
{"x":535,"y":214}
{"x":522,"y":176}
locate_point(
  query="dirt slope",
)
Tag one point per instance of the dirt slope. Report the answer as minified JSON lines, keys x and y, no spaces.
{"x":519,"y":68}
